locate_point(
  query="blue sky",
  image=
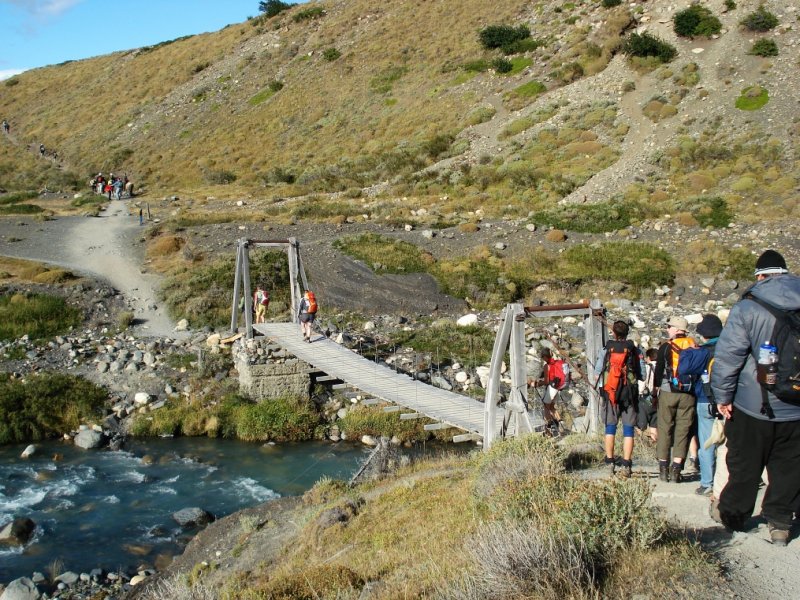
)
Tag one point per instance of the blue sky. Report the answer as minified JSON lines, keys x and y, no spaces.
{"x":45,"y":32}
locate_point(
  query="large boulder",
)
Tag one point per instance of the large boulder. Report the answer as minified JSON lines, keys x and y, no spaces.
{"x":192,"y":517}
{"x":88,"y":439}
{"x":18,"y":532}
{"x":28,"y":452}
{"x":21,"y":589}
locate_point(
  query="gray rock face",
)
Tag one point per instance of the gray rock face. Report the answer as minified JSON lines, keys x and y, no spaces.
{"x":192,"y":517}
{"x":21,"y":589}
{"x":89,"y":439}
{"x":18,"y":532}
{"x":68,"y":578}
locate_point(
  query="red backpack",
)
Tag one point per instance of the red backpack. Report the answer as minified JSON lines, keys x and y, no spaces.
{"x":312,"y":302}
{"x":557,"y":374}
{"x":619,"y":354}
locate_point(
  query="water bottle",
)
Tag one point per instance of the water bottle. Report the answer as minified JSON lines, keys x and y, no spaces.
{"x":705,"y":377}
{"x":767,"y":367}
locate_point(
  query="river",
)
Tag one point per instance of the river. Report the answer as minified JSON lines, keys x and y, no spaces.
{"x":114,"y":510}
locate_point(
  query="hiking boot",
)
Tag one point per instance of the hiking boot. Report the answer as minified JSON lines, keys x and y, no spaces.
{"x":704,"y":491}
{"x":626,"y":472}
{"x":692,"y":466}
{"x":611,"y":466}
{"x":779,"y":537}
{"x":663,"y":471}
{"x":675,"y":473}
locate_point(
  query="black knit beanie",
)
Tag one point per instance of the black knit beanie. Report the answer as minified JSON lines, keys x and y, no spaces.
{"x":770,"y":263}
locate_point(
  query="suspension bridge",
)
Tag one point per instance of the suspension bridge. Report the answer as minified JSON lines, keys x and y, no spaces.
{"x":483,"y":421}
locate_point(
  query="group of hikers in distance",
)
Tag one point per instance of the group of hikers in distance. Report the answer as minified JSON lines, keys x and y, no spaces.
{"x":114,"y":187}
{"x":727,"y":401}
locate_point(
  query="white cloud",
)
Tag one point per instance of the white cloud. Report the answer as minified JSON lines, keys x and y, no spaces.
{"x":8,"y":73}
{"x":45,"y":8}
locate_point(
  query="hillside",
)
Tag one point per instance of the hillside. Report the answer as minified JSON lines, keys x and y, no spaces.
{"x":342,"y":96}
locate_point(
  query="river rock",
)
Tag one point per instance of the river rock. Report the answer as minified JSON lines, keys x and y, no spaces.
{"x":102,"y":367}
{"x":89,"y":439}
{"x":18,"y":532}
{"x":462,"y":377}
{"x":368,"y":440}
{"x":213,"y":340}
{"x":29,"y":451}
{"x":141,"y":399}
{"x":467,"y":320}
{"x":182,"y":325}
{"x":69,"y":578}
{"x":21,"y":589}
{"x":192,"y":517}
{"x":137,"y":579}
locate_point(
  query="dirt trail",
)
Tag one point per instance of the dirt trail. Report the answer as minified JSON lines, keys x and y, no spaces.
{"x":104,"y":247}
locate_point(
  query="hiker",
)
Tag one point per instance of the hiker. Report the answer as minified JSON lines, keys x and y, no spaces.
{"x":646,"y":421}
{"x":141,"y":216}
{"x":620,"y":362}
{"x":754,"y":385}
{"x":100,"y":182}
{"x":555,"y":376}
{"x":708,"y":330}
{"x":41,"y":150}
{"x":6,"y":127}
{"x":117,"y":185}
{"x":260,"y":303}
{"x":675,"y":406}
{"x":307,"y":312}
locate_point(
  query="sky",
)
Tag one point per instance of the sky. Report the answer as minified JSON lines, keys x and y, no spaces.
{"x":35,"y":33}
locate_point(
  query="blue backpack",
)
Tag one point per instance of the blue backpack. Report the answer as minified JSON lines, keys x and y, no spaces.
{"x":691,"y":364}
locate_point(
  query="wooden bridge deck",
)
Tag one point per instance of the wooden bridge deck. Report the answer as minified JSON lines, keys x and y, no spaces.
{"x":380,"y":381}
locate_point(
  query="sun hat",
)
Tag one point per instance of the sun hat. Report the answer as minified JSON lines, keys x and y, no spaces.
{"x":770,"y":263}
{"x":710,"y":326}
{"x":678,"y":323}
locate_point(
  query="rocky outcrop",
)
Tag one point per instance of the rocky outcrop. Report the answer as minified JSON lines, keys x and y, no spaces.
{"x":18,"y":532}
{"x":192,"y":517}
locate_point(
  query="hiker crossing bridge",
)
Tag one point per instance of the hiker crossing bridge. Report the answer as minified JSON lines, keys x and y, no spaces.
{"x":481,"y":421}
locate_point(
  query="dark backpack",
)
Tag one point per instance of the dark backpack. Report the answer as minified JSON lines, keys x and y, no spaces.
{"x":691,"y":364}
{"x":786,"y":338}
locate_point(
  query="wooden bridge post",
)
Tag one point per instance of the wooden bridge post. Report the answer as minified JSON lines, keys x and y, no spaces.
{"x":493,"y":385}
{"x":248,"y":291}
{"x":237,"y":289}
{"x":293,"y":253}
{"x":517,"y":405}
{"x":595,"y":342}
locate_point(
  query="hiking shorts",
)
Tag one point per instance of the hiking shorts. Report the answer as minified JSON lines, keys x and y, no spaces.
{"x":261,"y":310}
{"x":612,"y":415}
{"x":551,"y":394}
{"x":647,"y":414}
{"x":307,"y":317}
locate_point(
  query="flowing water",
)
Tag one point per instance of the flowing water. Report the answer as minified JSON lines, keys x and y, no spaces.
{"x":114,"y":510}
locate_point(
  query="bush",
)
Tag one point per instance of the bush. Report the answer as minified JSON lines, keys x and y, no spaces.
{"x":760,"y":20}
{"x":471,"y":346}
{"x":648,"y":45}
{"x":331,"y":54}
{"x":272,"y":8}
{"x":752,"y":98}
{"x":309,"y":14}
{"x":525,"y":45}
{"x":709,"y":211}
{"x":611,"y":3}
{"x":696,"y":20}
{"x":46,"y":405}
{"x":476,"y":66}
{"x":220,"y":177}
{"x":502,"y":65}
{"x":38,"y":315}
{"x":590,"y":218}
{"x":275,"y":85}
{"x":764,"y":47}
{"x":501,"y":36}
{"x":730,"y":5}
{"x":392,"y":256}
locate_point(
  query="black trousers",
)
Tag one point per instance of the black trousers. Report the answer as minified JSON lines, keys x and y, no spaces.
{"x":754,"y":444}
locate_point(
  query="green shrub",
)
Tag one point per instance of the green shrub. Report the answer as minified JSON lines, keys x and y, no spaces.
{"x":709,"y":211}
{"x":480,"y":115}
{"x":752,"y":98}
{"x":46,"y":405}
{"x":764,"y":47}
{"x":220,"y":177}
{"x":471,"y":346}
{"x":502,"y":65}
{"x":611,"y":3}
{"x":331,"y":54}
{"x":16,"y":197}
{"x":649,"y":45}
{"x":760,"y":20}
{"x":365,"y":420}
{"x":272,"y":8}
{"x":730,"y":5}
{"x":499,"y":36}
{"x":523,"y":45}
{"x":382,"y":83}
{"x":275,"y":86}
{"x":639,"y":265}
{"x":589,"y":218}
{"x":696,"y":20}
{"x":38,"y":315}
{"x":309,"y":14}
{"x":12,"y":81}
{"x":476,"y":66}
{"x":21,"y":209}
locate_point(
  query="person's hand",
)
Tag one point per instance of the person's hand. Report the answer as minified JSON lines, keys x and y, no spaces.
{"x":726,"y":410}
